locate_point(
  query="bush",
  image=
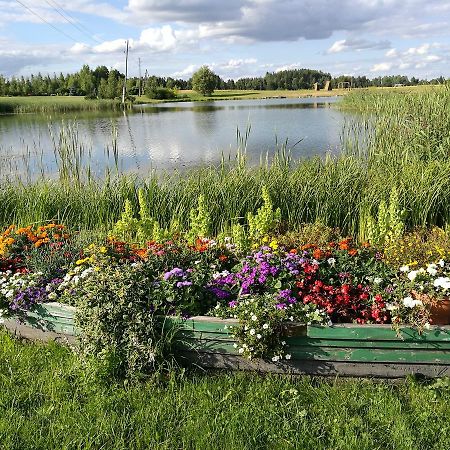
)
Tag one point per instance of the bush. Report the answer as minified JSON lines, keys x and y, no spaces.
{"x":122,"y":323}
{"x":160,"y":93}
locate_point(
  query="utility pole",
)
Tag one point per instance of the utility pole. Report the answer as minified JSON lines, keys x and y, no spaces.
{"x":124,"y":90}
{"x":140,"y":77}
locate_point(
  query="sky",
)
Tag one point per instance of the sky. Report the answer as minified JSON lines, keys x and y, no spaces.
{"x":235,"y":38}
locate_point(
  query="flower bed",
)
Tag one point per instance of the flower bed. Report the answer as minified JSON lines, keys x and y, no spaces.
{"x":272,"y":305}
{"x":344,"y":349}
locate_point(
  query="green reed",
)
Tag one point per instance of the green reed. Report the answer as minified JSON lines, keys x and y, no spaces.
{"x":402,"y":140}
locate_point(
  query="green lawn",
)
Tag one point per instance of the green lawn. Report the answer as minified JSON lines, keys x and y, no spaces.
{"x":47,"y":401}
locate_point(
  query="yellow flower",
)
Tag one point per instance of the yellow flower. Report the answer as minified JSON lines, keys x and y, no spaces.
{"x":274,"y":245}
{"x":103,"y":249}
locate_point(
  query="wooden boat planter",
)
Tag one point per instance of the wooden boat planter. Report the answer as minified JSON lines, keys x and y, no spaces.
{"x":344,"y":350}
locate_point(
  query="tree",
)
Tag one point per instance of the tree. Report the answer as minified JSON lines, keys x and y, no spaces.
{"x":204,"y":81}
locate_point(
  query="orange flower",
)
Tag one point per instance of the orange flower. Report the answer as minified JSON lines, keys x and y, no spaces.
{"x":353,"y":252}
{"x":317,"y":253}
{"x":345,"y":244}
{"x":308,"y":246}
{"x":293,"y":251}
{"x":223,"y":258}
{"x":38,"y":243}
{"x":366,"y":244}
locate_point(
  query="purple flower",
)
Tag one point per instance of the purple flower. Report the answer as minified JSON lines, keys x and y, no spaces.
{"x":175,"y":272}
{"x":220,"y":293}
{"x":233,"y":304}
{"x":280,"y":305}
{"x":28,"y":297}
{"x":181,"y":284}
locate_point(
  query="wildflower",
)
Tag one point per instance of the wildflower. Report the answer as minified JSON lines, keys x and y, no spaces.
{"x":241,"y":350}
{"x":275,"y":358}
{"x":254,"y":318}
{"x":404,"y":268}
{"x":331,"y":261}
{"x":288,"y":356}
{"x":258,"y":336}
{"x":252,"y":332}
{"x":265,"y":326}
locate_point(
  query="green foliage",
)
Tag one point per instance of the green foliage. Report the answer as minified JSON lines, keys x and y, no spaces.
{"x":127,"y":226}
{"x":121,"y":321}
{"x":204,"y":81}
{"x":200,"y":220}
{"x":240,"y":237}
{"x":389,"y":223}
{"x":160,"y":93}
{"x":266,"y":219}
{"x":262,"y":325}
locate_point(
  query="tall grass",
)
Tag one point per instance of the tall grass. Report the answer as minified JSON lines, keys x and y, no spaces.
{"x":56,"y":104}
{"x":406,"y":143}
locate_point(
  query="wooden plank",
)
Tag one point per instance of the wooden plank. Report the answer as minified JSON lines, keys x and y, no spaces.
{"x":370,"y":355}
{"x":55,"y":309}
{"x":376,"y":332}
{"x":46,"y":325}
{"x":360,"y":343}
{"x":23,"y":330}
{"x":310,"y":367}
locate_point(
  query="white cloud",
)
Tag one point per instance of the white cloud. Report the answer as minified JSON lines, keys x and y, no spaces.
{"x":346,"y":45}
{"x":381,"y":67}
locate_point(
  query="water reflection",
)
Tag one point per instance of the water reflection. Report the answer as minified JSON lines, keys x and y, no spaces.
{"x":182,"y":134}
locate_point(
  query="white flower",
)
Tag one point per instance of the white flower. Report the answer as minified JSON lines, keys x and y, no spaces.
{"x":409,"y":302}
{"x":291,"y":318}
{"x":442,"y":282}
{"x":241,"y":350}
{"x":404,"y":269}
{"x":427,"y":326}
{"x":235,"y":345}
{"x":431,"y":269}
{"x":275,"y":358}
{"x":331,"y":261}
{"x":412,"y":275}
{"x":258,"y":336}
{"x":441,"y":262}
{"x":391,"y":307}
{"x":283,"y":342}
{"x":377,"y":280}
{"x":265,"y":326}
{"x":288,"y":356}
{"x":252,"y":332}
{"x":254,"y":318}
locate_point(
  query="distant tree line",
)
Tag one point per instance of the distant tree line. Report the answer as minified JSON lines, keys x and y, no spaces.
{"x":107,"y":83}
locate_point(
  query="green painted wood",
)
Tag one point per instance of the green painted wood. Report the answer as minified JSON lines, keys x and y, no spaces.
{"x":376,"y":332}
{"x":372,"y":355}
{"x":332,"y":354}
{"x":54,"y":327}
{"x":361,"y":343}
{"x":55,"y":309}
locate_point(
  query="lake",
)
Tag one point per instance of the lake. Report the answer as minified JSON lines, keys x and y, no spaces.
{"x":169,"y":135}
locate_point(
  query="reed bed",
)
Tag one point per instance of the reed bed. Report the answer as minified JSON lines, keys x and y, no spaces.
{"x":401,"y":140}
{"x":55,"y":104}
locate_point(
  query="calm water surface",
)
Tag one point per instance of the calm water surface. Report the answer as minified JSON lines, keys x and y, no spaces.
{"x":174,"y":134}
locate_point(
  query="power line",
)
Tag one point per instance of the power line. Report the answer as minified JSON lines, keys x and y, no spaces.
{"x":46,"y":21}
{"x":70,"y":19}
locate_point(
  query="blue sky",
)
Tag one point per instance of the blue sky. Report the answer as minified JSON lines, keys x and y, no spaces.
{"x":236,"y":38}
